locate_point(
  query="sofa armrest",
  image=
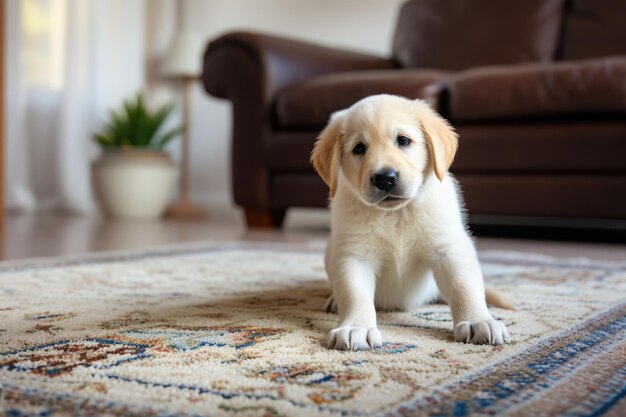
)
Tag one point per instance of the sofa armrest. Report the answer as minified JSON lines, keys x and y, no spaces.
{"x":248,"y":69}
{"x":590,"y":87}
{"x":274,"y":63}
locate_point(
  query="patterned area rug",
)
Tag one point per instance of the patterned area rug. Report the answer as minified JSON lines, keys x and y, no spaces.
{"x":237,"y":329}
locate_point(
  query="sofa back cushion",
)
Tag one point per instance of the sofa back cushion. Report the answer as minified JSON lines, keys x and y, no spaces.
{"x":594,"y":28}
{"x":582,"y":89}
{"x":459,"y":34}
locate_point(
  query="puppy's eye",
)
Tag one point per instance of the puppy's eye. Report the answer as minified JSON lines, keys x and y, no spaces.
{"x":403,"y":141}
{"x":359,"y":149}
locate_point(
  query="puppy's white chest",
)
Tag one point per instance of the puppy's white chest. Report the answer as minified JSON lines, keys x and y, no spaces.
{"x":398,"y":237}
{"x":403,"y":283}
{"x":403,"y":279}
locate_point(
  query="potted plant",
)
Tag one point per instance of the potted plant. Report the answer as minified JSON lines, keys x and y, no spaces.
{"x":134,"y":177}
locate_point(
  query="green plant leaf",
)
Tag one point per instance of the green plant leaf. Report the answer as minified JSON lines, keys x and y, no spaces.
{"x":168,"y":136}
{"x":134,"y":125}
{"x":103,"y":140}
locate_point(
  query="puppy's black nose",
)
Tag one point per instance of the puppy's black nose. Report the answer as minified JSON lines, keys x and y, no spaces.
{"x":385,"y":180}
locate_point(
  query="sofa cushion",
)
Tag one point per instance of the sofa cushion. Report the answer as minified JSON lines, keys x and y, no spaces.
{"x":513,"y":148}
{"x":587,"y":88}
{"x":460,"y":34}
{"x":546,"y":146}
{"x":550,"y":195}
{"x":594,"y":28}
{"x":310,"y":103}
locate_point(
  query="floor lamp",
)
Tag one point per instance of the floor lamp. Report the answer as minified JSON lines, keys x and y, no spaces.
{"x":183,"y":62}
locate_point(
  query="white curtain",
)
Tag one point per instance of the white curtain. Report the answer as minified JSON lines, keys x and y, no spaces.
{"x":68,"y":62}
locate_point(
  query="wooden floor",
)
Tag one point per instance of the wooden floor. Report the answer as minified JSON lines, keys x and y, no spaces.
{"x":31,"y":236}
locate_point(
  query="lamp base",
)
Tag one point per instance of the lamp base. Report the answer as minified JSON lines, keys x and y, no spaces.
{"x":186,"y":210}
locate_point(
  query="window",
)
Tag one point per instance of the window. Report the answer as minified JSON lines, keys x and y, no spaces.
{"x":43,"y":42}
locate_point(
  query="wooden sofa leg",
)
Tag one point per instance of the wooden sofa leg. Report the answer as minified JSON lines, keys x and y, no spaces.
{"x":265,"y":218}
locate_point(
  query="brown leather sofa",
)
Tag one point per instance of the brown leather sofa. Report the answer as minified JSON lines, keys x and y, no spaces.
{"x":535,"y":88}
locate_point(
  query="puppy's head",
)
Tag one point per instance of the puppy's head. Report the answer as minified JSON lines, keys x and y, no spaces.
{"x":384,"y":148}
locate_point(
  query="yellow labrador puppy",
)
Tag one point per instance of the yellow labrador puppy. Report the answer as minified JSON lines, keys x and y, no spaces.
{"x":398,"y":238}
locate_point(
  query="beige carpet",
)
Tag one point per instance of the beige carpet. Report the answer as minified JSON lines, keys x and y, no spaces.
{"x":238,"y":329}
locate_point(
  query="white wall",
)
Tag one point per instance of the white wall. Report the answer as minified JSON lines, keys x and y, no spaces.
{"x":364,"y":25}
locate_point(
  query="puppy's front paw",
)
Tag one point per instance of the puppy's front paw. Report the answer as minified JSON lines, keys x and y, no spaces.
{"x":481,"y":332}
{"x":354,"y":338}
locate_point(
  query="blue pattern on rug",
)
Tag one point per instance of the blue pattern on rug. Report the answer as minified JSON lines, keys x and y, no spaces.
{"x":192,"y":339}
{"x":62,"y":357}
{"x":527,"y":370}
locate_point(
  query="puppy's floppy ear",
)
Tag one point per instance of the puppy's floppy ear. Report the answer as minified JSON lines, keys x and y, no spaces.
{"x":327,"y":151}
{"x":441,"y":138}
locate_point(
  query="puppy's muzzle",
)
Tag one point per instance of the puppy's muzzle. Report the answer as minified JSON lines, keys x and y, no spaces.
{"x":385,"y":180}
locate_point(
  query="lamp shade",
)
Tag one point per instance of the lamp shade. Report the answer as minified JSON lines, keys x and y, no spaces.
{"x":183,"y":59}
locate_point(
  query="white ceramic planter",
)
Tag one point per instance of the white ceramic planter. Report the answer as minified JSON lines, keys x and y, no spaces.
{"x":134,"y":184}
